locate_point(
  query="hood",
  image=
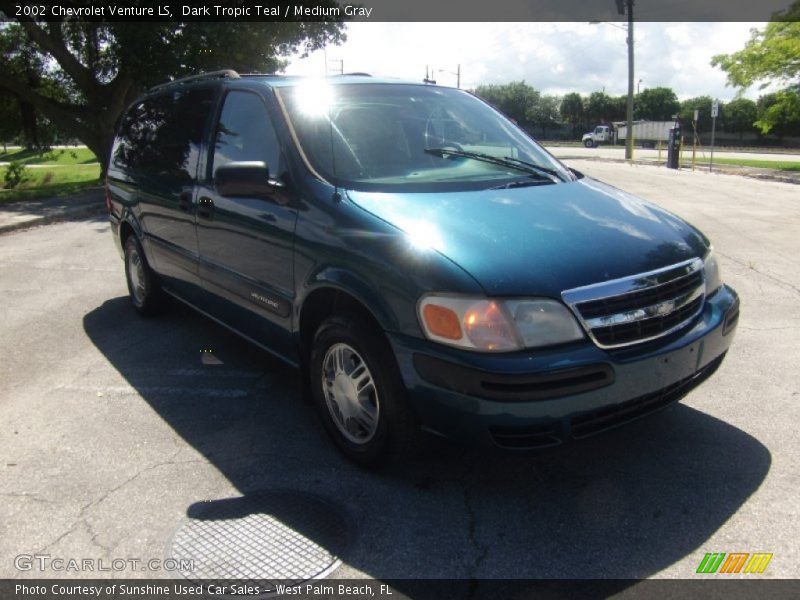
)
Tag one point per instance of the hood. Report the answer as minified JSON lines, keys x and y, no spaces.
{"x":540,"y":240}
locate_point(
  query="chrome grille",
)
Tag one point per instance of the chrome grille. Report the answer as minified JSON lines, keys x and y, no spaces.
{"x":642,"y":307}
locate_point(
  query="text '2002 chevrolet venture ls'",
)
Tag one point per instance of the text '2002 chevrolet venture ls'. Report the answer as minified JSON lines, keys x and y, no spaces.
{"x":419,"y":257}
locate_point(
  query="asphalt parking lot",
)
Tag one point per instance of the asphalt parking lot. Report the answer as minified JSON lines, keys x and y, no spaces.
{"x":114,"y":429}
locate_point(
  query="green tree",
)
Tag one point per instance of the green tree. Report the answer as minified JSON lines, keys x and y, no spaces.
{"x":21,"y":61}
{"x":783,"y":113}
{"x":619,"y":110}
{"x":572,"y":110}
{"x":516,"y":99}
{"x":703,"y":105}
{"x":656,"y":104}
{"x":740,"y":114}
{"x":770,"y":56}
{"x":544,"y":113}
{"x":600,"y":107}
{"x":82,"y":75}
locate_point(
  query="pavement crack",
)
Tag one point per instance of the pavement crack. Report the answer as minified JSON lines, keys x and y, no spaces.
{"x":83,"y":513}
{"x":94,"y":535}
{"x":34,"y":497}
{"x":60,"y":537}
{"x":769,"y":276}
{"x":482,"y":550}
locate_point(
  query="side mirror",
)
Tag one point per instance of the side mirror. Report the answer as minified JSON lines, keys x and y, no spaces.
{"x":245,"y":178}
{"x":578,"y":174}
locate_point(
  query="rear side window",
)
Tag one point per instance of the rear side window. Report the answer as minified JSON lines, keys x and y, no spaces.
{"x":162,"y":135}
{"x":245,"y":133}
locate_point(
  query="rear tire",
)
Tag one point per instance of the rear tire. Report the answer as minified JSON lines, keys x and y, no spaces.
{"x":143,"y":287}
{"x":358,"y":393}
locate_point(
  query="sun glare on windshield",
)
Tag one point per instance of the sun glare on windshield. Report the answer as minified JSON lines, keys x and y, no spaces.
{"x":314,"y":97}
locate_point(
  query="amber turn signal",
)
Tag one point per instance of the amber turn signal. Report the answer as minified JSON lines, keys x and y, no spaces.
{"x":442,"y":321}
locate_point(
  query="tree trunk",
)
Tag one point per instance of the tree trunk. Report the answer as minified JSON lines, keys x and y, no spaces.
{"x":100,"y":142}
{"x":30,"y":133}
{"x":92,"y":121}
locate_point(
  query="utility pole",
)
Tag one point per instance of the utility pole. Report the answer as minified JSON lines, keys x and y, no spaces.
{"x":626,"y":7}
{"x":428,"y":74}
{"x":694,"y":136}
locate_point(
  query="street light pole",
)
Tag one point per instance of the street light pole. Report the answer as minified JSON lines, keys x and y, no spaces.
{"x":629,"y":116}
{"x":457,"y":73}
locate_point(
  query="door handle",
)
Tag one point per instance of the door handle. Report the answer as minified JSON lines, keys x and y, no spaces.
{"x":205,"y":207}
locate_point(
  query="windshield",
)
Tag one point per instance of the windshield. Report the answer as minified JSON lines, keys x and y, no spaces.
{"x":398,"y":137}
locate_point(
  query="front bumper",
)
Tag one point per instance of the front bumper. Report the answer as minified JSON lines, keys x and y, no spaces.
{"x":541,"y":398}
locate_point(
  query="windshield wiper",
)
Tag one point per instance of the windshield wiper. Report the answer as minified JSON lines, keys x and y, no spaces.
{"x":513,"y":163}
{"x":522,"y":183}
{"x":547,"y":170}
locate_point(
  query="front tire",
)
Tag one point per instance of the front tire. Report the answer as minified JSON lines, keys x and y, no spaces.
{"x":589,"y":143}
{"x":358,"y":392}
{"x":143,"y":287}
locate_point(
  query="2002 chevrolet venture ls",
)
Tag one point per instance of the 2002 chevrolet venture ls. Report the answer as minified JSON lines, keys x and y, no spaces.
{"x":419,"y":257}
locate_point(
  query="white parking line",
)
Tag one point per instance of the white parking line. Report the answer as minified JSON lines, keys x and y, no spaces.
{"x":164,"y":390}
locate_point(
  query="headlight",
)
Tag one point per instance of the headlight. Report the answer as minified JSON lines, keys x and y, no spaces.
{"x":712,"y":274}
{"x":543,"y":322}
{"x":496,"y":325}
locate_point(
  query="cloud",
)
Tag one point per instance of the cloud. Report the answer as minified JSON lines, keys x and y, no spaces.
{"x":553,"y":57}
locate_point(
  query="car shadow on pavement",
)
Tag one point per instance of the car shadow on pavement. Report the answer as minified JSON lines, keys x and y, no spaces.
{"x":626,"y":504}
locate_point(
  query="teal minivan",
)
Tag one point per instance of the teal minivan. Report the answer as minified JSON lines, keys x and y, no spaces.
{"x":424,"y":263}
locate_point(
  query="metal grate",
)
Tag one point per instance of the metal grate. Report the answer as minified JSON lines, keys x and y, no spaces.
{"x":642,"y":307}
{"x":281,"y":536}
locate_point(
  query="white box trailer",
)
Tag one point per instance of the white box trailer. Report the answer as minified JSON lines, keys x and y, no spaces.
{"x":645,"y":133}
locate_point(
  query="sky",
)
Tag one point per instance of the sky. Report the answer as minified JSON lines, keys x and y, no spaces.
{"x":555,"y":58}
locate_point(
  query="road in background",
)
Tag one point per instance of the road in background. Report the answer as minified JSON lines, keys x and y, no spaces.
{"x":113,"y":428}
{"x":703,"y":154}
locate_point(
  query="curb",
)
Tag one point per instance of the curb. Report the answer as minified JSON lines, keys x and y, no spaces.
{"x":55,"y":216}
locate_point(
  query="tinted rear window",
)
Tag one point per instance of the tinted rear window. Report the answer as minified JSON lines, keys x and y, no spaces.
{"x":162,"y":135}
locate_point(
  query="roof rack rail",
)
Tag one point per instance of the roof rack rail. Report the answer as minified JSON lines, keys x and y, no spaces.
{"x":222,"y":74}
{"x":356,"y":74}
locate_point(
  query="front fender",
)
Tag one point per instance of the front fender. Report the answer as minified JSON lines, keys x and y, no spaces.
{"x":345,"y":280}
